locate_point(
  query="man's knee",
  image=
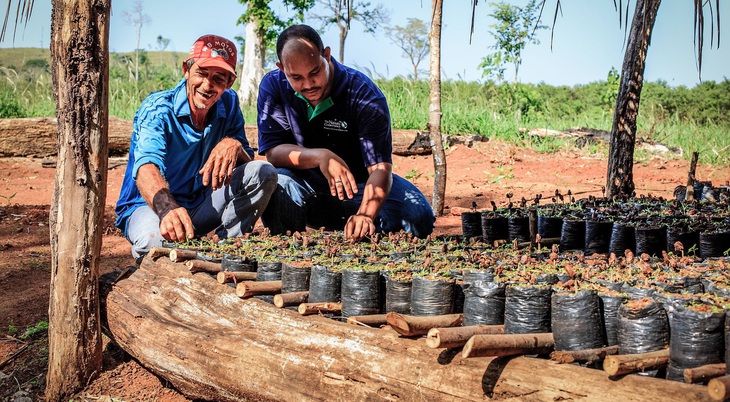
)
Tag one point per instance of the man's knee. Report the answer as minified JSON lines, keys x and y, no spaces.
{"x":143,"y":244}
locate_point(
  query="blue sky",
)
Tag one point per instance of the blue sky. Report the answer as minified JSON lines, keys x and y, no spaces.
{"x":587,"y":43}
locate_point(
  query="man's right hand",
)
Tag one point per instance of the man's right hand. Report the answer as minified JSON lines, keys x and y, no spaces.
{"x":176,"y":225}
{"x":342,"y":182}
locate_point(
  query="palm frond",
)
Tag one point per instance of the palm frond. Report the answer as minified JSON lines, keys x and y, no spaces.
{"x":22,"y":15}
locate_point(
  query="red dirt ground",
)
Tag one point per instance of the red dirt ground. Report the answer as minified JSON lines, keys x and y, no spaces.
{"x":484,"y":172}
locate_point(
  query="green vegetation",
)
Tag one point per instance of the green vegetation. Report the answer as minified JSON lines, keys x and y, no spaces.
{"x":695,"y":119}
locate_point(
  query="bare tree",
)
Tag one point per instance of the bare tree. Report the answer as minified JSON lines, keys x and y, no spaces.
{"x":343,"y":12}
{"x":138,"y":19}
{"x":434,"y":115}
{"x":412,"y":39}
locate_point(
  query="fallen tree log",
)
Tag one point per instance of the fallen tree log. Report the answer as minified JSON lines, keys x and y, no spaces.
{"x":197,"y":335}
{"x":704,"y":373}
{"x":37,"y":136}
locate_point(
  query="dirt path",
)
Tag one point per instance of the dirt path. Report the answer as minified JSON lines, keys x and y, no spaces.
{"x":479,"y":174}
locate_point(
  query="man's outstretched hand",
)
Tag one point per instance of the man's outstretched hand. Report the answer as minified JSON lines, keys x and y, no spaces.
{"x":218,"y":169}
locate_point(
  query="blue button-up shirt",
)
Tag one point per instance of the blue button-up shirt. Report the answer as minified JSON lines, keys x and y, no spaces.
{"x":164,"y":134}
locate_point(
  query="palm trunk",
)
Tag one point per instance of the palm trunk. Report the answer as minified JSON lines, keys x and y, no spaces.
{"x":434,"y":116}
{"x":80,"y":71}
{"x":620,"y":177}
{"x":254,"y":55}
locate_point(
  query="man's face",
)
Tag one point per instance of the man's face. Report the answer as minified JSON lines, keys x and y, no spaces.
{"x":307,"y":71}
{"x":205,"y":85}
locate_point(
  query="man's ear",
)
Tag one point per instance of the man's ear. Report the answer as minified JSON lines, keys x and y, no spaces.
{"x":326,"y":53}
{"x":280,"y":66}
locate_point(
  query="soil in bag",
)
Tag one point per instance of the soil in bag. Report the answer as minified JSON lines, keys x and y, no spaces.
{"x":642,"y":327}
{"x":268,"y":271}
{"x":295,"y":277}
{"x":598,"y":236}
{"x":622,"y":239}
{"x":573,"y":235}
{"x":360,"y":292}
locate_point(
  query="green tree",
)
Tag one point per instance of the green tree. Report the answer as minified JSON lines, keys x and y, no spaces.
{"x":412,"y":39}
{"x":162,"y":43}
{"x":262,"y":27}
{"x":515,"y":27}
{"x":343,"y":12}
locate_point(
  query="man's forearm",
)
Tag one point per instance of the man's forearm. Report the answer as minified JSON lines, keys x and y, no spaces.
{"x":155,"y":190}
{"x":375,"y":193}
{"x":294,"y":156}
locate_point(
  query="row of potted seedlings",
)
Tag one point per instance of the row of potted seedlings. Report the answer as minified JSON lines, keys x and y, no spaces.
{"x":639,"y":303}
{"x":600,"y":225}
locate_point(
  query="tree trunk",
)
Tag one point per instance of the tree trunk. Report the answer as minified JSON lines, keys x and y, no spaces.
{"x":434,"y":115}
{"x":209,"y":344}
{"x":254,"y":55}
{"x":620,"y":175}
{"x":80,"y":71}
{"x":343,"y":37}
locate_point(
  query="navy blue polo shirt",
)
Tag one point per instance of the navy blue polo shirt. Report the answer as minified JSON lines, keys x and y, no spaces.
{"x":163,"y":133}
{"x":356,"y":127}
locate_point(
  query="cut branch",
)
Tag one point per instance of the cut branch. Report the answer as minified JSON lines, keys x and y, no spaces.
{"x":508,"y":345}
{"x":588,"y":356}
{"x":409,"y":325}
{"x":627,"y":364}
{"x":458,"y":336}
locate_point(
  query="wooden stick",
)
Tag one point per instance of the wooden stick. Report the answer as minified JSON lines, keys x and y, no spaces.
{"x":532,"y":220}
{"x":317,"y":308}
{"x":290,"y":299}
{"x":626,"y":364}
{"x":157,"y":252}
{"x":583,"y":356}
{"x":203,"y":266}
{"x":250,"y":288}
{"x":177,"y":255}
{"x":410,"y":325}
{"x":373,"y":320}
{"x":689,"y":194}
{"x":508,"y":345}
{"x":703,"y":374}
{"x":458,"y":336}
{"x":719,"y":388}
{"x":235,"y":276}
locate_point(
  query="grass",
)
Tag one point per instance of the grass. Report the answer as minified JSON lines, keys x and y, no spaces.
{"x":494,"y":111}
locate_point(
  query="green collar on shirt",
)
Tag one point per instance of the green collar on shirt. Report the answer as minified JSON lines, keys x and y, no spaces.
{"x":313,"y":112}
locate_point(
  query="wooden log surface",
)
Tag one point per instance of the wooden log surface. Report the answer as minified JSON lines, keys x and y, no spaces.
{"x":456,"y":337}
{"x":627,"y":364}
{"x":38,"y":136}
{"x":410,"y":325}
{"x":508,"y":345}
{"x":197,"y":335}
{"x":703,"y":374}
{"x":290,"y":299}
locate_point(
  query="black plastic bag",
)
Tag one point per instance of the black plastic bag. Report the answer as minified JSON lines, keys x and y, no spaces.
{"x":549,"y":226}
{"x":576,"y":321}
{"x":518,"y":228}
{"x":714,"y":244}
{"x":573,"y":234}
{"x":398,"y":295}
{"x":598,"y":237}
{"x":295,"y":277}
{"x":610,"y":304}
{"x":527,"y":309}
{"x":697,"y":338}
{"x":651,"y":240}
{"x":471,"y":224}
{"x":622,"y":239}
{"x":484,"y":303}
{"x":360,"y":292}
{"x":432,"y":296}
{"x":268,"y":271}
{"x":642,"y":328}
{"x":325,"y":285}
{"x":232,"y":262}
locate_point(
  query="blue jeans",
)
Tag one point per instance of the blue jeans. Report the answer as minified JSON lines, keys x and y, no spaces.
{"x":303,"y":199}
{"x":231,"y":210}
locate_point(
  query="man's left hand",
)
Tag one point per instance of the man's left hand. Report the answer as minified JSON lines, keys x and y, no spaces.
{"x":359,"y":226}
{"x":218,"y":169}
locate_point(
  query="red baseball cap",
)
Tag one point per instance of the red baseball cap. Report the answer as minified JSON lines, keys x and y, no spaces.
{"x":214,"y":51}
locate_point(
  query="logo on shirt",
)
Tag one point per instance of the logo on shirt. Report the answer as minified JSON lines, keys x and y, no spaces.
{"x":335,"y":125}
